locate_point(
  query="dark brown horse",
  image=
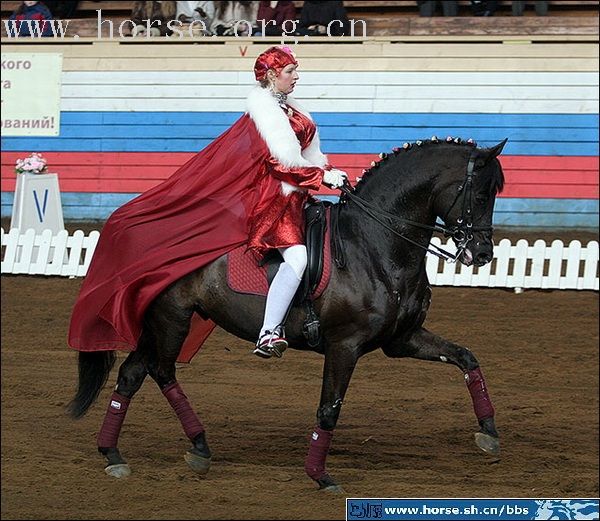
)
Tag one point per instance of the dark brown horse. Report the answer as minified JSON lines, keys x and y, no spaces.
{"x":378,"y":299}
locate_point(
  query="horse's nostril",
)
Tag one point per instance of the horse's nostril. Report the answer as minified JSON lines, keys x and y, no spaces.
{"x":483,"y":258}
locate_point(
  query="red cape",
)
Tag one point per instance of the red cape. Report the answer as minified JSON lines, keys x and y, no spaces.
{"x":200,"y":213}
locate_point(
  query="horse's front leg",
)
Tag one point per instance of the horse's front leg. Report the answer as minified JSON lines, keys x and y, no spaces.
{"x":424,"y":345}
{"x":339,"y":365}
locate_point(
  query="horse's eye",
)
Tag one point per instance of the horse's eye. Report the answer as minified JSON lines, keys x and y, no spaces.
{"x":481,"y":199}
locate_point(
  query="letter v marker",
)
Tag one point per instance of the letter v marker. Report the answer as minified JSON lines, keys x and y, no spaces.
{"x":41,"y":211}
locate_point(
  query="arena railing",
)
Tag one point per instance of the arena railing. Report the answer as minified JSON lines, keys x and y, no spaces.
{"x":519,"y":266}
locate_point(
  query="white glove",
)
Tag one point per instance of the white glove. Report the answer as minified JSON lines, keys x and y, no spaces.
{"x":334,"y":178}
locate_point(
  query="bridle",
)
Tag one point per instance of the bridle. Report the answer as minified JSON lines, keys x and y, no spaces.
{"x":461,"y":232}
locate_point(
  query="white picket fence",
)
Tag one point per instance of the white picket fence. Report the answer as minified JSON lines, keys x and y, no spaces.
{"x":521,"y":266}
{"x":47,"y":253}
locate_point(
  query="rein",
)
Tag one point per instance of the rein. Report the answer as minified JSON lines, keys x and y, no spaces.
{"x":462,"y":232}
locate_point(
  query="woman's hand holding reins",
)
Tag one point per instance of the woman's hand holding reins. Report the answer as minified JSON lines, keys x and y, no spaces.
{"x":334,"y":178}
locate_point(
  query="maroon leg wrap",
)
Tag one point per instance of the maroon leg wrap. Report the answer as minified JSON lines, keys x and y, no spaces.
{"x":481,"y":399}
{"x":179,"y":401}
{"x":314,"y":465}
{"x":111,"y":427}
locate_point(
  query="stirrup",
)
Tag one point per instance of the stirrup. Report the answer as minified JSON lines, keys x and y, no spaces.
{"x":271,"y":343}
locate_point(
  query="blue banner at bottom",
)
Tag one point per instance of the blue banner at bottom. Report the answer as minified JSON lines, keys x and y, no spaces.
{"x":365,"y":509}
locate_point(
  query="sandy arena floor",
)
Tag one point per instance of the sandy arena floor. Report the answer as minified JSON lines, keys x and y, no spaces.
{"x":406,"y":427}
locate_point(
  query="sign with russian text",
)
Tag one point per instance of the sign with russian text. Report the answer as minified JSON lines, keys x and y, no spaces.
{"x":31,"y":86}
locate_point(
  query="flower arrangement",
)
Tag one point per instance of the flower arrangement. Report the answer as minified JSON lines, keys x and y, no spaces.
{"x":34,"y":164}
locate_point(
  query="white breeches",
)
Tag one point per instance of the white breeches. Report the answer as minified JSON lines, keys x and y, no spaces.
{"x":296,"y":257}
{"x":284,"y":285}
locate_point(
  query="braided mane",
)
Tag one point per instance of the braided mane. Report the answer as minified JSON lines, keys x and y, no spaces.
{"x":497,"y":183}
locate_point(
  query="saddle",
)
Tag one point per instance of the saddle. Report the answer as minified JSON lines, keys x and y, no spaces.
{"x":244,"y":276}
{"x":315,"y":226}
{"x":315,"y":216}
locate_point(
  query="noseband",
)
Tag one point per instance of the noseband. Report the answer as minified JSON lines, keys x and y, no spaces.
{"x":461,"y":232}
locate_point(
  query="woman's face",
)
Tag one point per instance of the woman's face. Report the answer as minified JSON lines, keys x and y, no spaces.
{"x":286,"y":80}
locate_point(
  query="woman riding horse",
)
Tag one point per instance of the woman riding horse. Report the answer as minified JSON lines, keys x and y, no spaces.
{"x":249,"y":186}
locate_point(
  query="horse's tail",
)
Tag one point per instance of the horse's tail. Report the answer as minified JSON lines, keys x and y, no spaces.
{"x":94,"y":368}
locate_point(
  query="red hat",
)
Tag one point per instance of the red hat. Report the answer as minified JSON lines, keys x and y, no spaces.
{"x":275,"y":58}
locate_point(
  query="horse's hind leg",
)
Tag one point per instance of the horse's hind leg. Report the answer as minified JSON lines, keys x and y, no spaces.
{"x":131,"y":376}
{"x":424,"y":345}
{"x":170,"y":326}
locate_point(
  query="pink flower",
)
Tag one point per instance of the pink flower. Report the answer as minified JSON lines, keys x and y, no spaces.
{"x":35,"y":164}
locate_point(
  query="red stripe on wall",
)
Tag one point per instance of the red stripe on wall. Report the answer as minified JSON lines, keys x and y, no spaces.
{"x":572,"y":177}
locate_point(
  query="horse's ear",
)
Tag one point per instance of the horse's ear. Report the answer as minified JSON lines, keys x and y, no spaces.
{"x":495,"y":151}
{"x":490,"y":153}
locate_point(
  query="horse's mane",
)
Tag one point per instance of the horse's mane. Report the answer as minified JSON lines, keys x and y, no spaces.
{"x":407,"y":151}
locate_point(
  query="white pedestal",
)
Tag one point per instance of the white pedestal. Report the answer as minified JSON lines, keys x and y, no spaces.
{"x":37,"y":203}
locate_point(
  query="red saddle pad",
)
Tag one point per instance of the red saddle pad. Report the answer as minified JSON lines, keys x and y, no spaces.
{"x":244,"y":275}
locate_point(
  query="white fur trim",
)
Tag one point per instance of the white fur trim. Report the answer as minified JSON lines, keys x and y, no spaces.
{"x":287,"y":188}
{"x":313,"y":152}
{"x":274,"y":127}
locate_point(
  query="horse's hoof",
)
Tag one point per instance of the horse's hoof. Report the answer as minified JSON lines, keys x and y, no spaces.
{"x":119,"y":470}
{"x":197,"y":463}
{"x":334,"y":489}
{"x":327,"y":484}
{"x":487,"y":443}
